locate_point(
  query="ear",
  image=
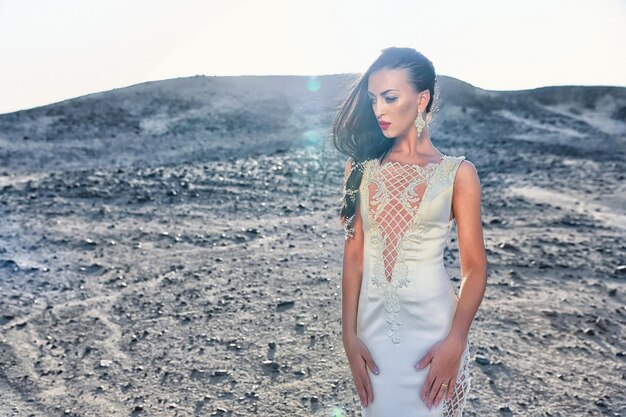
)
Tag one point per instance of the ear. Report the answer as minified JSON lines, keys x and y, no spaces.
{"x":423,"y":100}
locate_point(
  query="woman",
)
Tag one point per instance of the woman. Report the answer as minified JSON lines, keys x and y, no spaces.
{"x":405,"y":332}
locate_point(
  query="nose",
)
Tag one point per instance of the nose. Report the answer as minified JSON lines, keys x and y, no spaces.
{"x":378,"y":109}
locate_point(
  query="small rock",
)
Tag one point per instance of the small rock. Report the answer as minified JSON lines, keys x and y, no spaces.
{"x":602,"y":323}
{"x":549,"y":313}
{"x":601,"y":403}
{"x":284,"y":305}
{"x":507,"y":246}
{"x":105,"y":363}
{"x":481,"y":360}
{"x":271,"y":365}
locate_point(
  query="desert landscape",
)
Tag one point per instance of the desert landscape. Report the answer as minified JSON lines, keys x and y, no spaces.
{"x":173,"y":248}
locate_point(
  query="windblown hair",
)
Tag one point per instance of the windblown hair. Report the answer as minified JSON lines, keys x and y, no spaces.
{"x":356,"y":132}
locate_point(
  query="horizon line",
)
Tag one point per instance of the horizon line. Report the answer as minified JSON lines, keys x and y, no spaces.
{"x":294,"y":75}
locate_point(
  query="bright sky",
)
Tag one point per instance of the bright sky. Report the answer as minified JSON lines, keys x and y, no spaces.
{"x":54,"y":50}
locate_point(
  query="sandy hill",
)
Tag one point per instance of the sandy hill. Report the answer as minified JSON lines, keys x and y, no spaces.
{"x":211,"y":118}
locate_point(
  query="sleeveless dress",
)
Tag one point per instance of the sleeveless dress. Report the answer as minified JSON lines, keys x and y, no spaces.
{"x":406,"y":300}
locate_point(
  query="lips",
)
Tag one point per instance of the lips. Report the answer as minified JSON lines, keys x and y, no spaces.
{"x":384,"y":125}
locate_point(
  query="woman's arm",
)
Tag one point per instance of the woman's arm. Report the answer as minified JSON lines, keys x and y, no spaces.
{"x":466,"y":205}
{"x":352,"y":272}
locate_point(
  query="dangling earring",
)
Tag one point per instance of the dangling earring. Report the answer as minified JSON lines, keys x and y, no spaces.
{"x":419,"y":122}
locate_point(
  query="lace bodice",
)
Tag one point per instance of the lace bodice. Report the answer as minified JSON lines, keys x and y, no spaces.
{"x":395,"y":192}
{"x":395,"y":197}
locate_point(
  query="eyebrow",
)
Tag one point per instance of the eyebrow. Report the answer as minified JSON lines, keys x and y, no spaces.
{"x":384,"y":92}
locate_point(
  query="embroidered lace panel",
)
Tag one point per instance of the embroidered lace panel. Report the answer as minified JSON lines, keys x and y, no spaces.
{"x":454,"y":407}
{"x":395,"y":196}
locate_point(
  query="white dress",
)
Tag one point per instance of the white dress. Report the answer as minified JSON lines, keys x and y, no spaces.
{"x":406,"y":301}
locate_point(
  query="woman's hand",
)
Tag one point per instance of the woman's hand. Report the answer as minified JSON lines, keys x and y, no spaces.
{"x":359,"y":359}
{"x":446,"y":362}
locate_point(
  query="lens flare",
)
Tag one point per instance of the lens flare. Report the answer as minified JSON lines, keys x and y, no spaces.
{"x":313,"y":84}
{"x":337,"y":412}
{"x":312,"y":137}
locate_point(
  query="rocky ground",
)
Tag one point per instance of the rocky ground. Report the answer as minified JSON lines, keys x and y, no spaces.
{"x":145,"y":272}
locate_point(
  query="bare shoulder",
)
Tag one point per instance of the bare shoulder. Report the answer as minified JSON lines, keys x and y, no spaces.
{"x":467,"y":174}
{"x":466,"y":201}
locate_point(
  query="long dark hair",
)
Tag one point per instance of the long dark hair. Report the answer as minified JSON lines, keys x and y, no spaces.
{"x":356,"y":132}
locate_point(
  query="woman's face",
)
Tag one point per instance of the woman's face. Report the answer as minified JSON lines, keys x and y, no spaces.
{"x":394,"y":101}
